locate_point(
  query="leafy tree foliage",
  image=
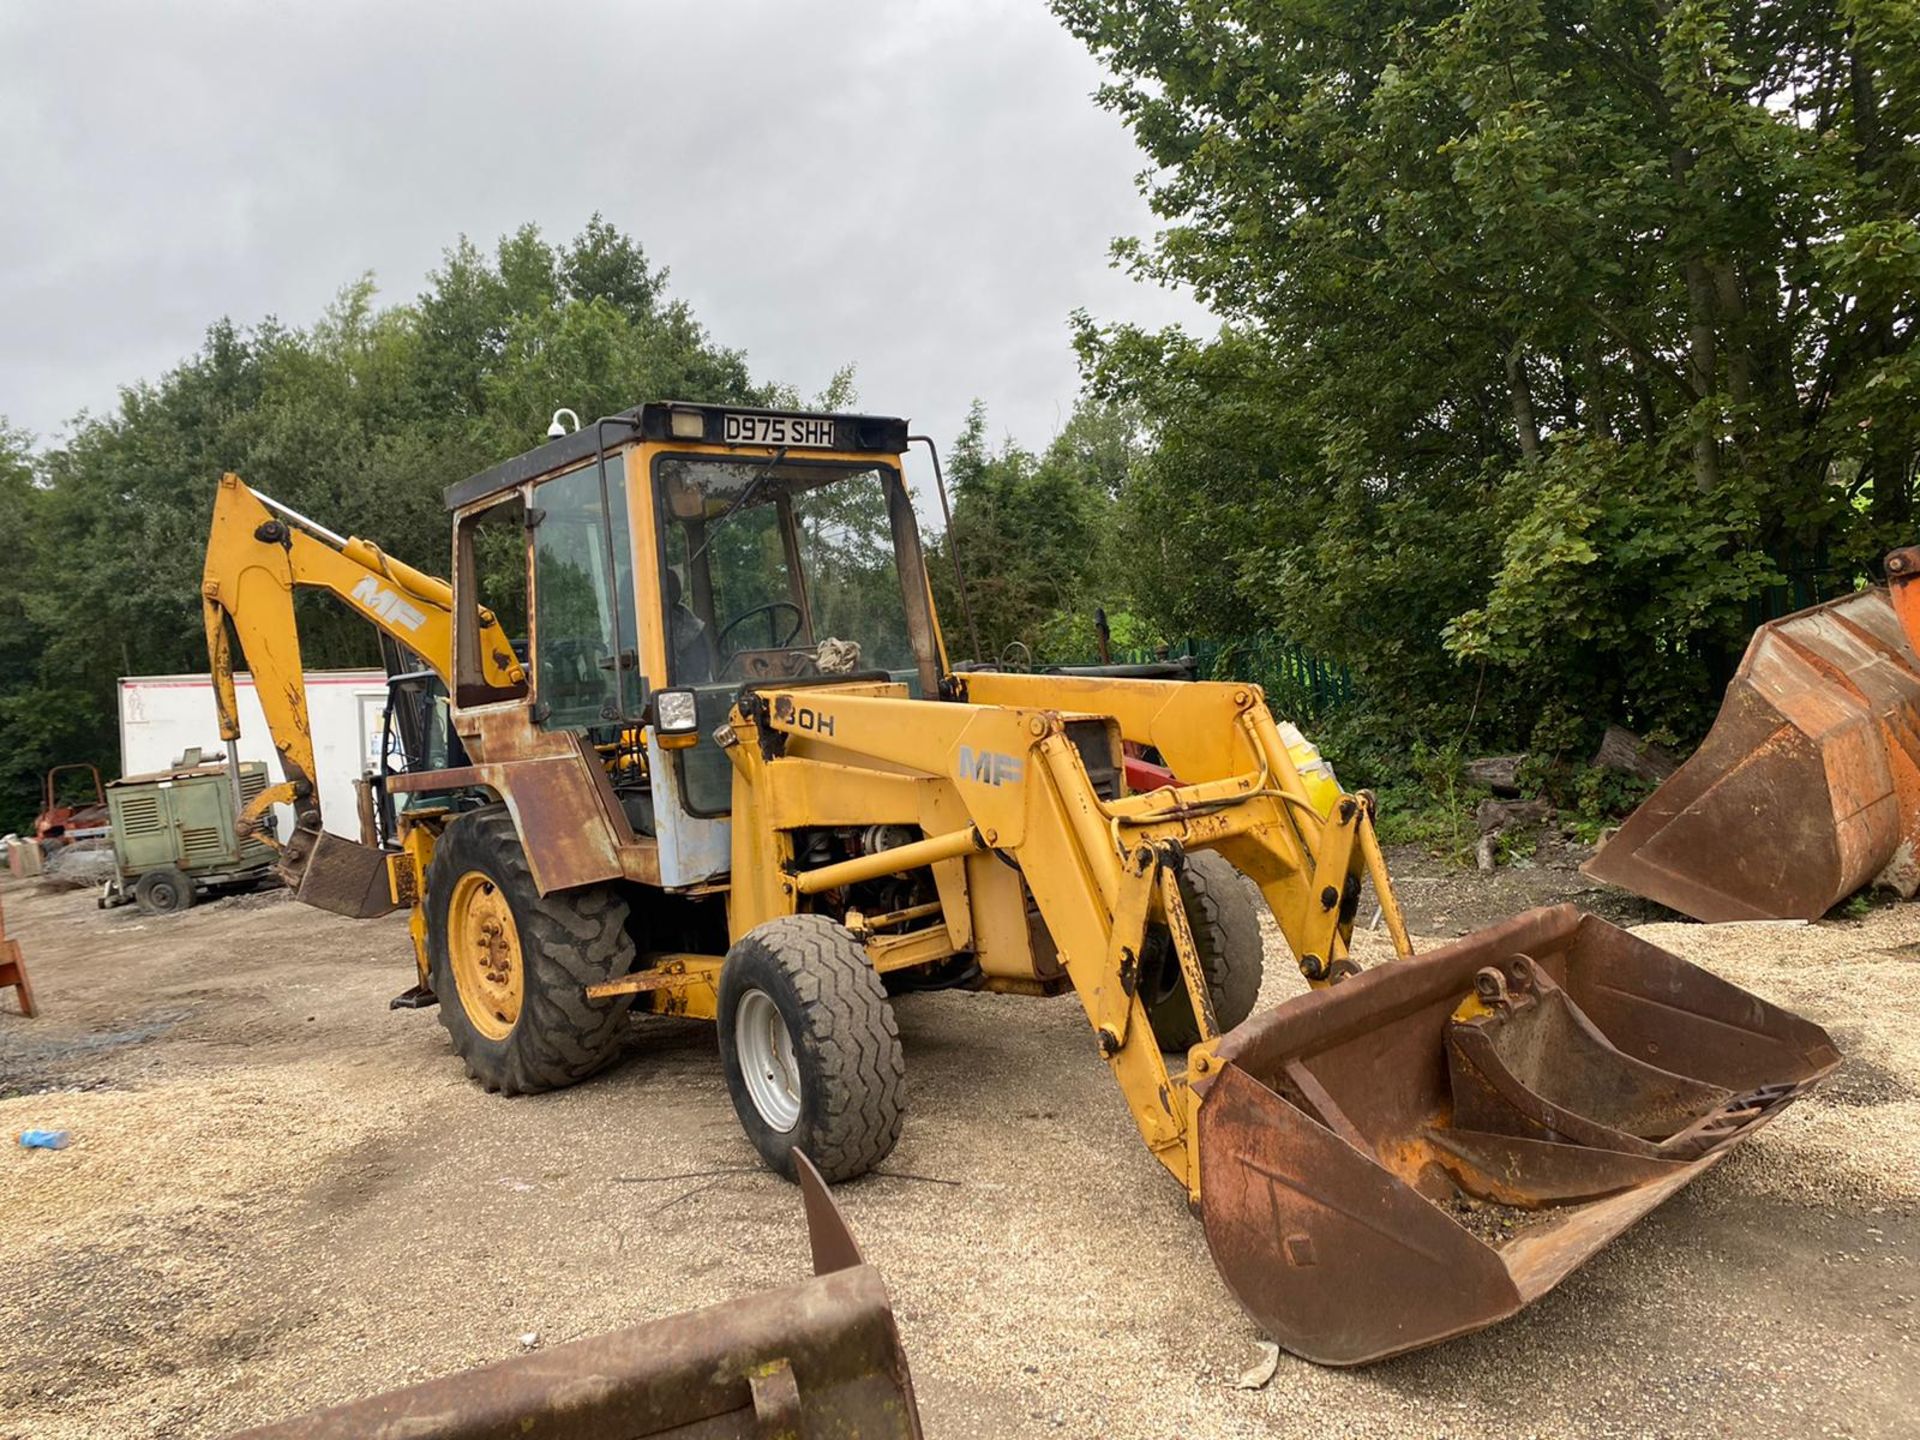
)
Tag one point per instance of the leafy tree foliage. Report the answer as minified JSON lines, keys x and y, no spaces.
{"x":1556,"y":331}
{"x":1036,"y":534}
{"x":362,"y":419}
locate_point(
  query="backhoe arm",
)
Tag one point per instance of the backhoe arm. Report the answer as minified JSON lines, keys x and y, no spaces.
{"x":258,"y":553}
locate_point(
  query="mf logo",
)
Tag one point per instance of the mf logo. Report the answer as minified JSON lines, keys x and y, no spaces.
{"x":387,"y":605}
{"x":989,"y":767}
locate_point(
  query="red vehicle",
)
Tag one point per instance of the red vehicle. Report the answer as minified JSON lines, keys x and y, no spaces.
{"x":61,"y":820}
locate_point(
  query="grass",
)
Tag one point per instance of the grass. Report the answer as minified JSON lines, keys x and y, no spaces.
{"x":1412,"y":813}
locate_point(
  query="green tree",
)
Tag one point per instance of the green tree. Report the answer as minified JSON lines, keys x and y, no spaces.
{"x":361,"y":420}
{"x":1036,"y":533}
{"x":1557,"y":329}
{"x":44,"y":718}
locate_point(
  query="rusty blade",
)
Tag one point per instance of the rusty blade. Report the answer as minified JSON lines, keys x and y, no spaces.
{"x":828,"y":1234}
{"x":1352,"y":1217}
{"x":1806,"y":788}
{"x":815,"y":1361}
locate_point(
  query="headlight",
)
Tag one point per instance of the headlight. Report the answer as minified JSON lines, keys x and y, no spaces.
{"x":676,"y":712}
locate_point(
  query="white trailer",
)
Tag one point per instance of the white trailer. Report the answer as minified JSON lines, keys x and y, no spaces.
{"x":161,"y":716}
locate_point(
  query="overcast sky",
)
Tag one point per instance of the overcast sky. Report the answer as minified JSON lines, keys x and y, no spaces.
{"x":925,"y":190}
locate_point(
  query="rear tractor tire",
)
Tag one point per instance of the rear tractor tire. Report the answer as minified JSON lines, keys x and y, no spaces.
{"x":810,"y":1047}
{"x":163,"y":892}
{"x":1226,"y":932}
{"x":511,"y":966}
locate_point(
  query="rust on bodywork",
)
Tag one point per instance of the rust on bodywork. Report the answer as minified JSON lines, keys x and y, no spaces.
{"x":809,"y":1361}
{"x":1424,"y":1149}
{"x":337,"y":874}
{"x":554,"y":786}
{"x":1806,"y":788}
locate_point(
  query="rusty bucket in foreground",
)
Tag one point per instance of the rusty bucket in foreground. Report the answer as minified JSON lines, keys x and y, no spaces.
{"x":1424,"y":1149}
{"x":815,"y":1361}
{"x":1806,"y":788}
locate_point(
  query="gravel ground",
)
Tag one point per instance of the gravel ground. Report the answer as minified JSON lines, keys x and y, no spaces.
{"x":281,"y":1194}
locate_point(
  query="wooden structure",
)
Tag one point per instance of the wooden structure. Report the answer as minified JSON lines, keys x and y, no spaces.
{"x":13,"y":970}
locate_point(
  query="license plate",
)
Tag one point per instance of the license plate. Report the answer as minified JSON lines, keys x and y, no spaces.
{"x":813,"y":433}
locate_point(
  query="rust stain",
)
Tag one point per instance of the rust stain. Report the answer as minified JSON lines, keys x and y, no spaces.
{"x":1440,"y":1173}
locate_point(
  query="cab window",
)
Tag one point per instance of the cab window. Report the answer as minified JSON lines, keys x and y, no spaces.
{"x":773,"y":569}
{"x":585,"y":654}
{"x":490,"y":558}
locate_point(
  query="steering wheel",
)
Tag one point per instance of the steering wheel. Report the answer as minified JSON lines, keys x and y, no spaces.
{"x":799,"y":619}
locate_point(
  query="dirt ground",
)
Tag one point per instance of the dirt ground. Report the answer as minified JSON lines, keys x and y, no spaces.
{"x":281,"y":1194}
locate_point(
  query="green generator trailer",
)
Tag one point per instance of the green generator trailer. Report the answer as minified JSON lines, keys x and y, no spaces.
{"x":175,"y":835}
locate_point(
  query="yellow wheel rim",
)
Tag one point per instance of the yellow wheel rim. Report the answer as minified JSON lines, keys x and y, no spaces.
{"x":483,"y":944}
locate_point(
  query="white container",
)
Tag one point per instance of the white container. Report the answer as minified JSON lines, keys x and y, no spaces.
{"x":162,"y":716}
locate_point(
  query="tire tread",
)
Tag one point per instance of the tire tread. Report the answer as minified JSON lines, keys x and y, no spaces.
{"x":850,"y":1029}
{"x":568,"y":940}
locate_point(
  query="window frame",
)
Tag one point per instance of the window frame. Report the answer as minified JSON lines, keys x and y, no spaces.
{"x":470,"y":690}
{"x":624,"y":604}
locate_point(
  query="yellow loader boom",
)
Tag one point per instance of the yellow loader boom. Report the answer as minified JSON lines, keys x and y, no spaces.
{"x":1005,"y":767}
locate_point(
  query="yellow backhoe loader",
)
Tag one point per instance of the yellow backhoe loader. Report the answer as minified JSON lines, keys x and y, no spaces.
{"x":709,"y":755}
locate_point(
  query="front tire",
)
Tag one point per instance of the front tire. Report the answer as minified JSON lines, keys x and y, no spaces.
{"x":810,"y":1048}
{"x":1226,"y":933}
{"x":511,"y":966}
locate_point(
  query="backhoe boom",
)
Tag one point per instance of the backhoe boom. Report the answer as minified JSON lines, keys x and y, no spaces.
{"x":258,"y":553}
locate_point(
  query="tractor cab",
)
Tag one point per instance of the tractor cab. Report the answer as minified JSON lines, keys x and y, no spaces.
{"x":624,"y":584}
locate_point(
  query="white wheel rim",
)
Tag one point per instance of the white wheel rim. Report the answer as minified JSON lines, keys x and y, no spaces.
{"x":767,"y":1061}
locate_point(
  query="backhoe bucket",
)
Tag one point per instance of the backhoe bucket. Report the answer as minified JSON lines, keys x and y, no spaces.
{"x":1806,"y":788}
{"x":1422,"y":1150}
{"x":337,"y":874}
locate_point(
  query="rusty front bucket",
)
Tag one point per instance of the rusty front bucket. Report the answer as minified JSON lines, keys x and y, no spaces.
{"x":815,"y":1361}
{"x":1424,"y":1149}
{"x":1806,"y":788}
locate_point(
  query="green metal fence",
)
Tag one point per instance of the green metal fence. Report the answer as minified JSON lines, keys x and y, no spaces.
{"x":1298,"y":685}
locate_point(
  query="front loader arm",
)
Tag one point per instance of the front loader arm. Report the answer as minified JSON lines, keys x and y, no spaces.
{"x":1100,"y":870}
{"x":1212,"y":731}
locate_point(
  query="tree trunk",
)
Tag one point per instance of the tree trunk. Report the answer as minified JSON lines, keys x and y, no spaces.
{"x":1733,"y":305}
{"x":1522,"y":397}
{"x":1596,"y":402}
{"x":1702,"y":361}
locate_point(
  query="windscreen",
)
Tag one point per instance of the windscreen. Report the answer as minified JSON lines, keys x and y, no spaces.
{"x":779,"y":570}
{"x":775,"y":569}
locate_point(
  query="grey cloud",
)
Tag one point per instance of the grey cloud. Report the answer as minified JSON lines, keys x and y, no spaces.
{"x":925,"y":190}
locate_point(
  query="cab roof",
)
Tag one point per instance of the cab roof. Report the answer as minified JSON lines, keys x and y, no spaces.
{"x":857,"y":434}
